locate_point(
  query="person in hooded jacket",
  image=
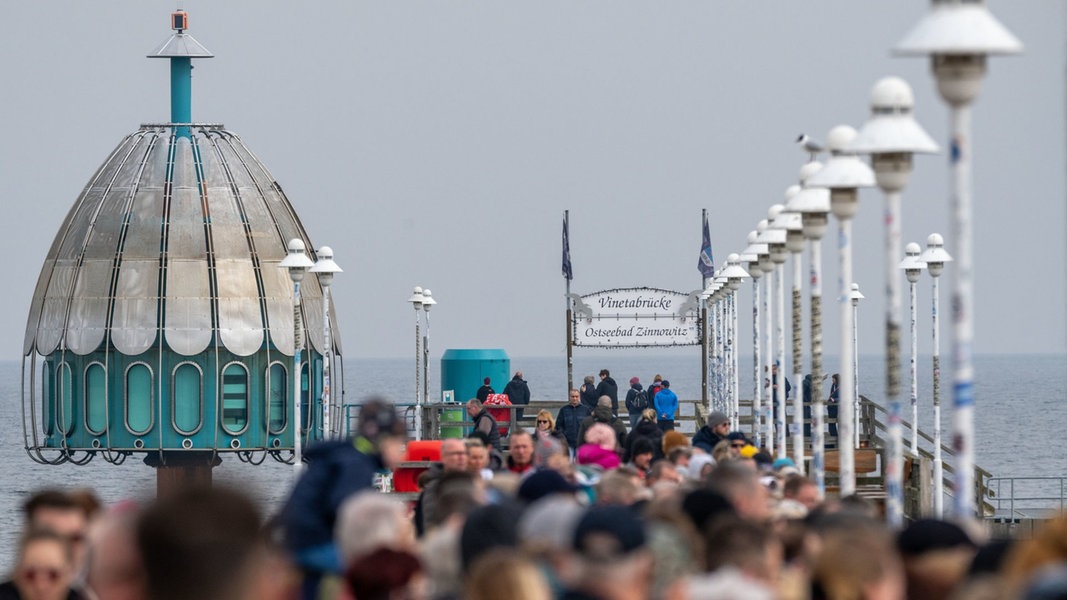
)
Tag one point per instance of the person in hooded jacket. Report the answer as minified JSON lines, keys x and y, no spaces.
{"x":608,"y":387}
{"x":632,"y":408}
{"x":336,"y":470}
{"x":602,"y":414}
{"x":646,"y":428}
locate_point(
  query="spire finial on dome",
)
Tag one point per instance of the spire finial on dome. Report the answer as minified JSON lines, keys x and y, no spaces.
{"x":180,"y":48}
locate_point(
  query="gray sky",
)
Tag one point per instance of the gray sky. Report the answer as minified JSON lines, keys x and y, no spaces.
{"x":438,"y":143}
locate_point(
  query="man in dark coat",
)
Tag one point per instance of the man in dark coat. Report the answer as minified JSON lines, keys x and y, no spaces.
{"x":609,"y":388}
{"x":715,"y":430}
{"x":518,"y":391}
{"x":570,"y":417}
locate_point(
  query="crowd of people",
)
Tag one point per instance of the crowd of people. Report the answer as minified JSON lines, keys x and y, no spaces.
{"x":578,"y":508}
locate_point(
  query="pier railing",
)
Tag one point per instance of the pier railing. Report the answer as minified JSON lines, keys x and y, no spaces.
{"x":691,"y":416}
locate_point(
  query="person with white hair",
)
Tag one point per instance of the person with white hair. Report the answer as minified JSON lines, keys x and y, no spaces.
{"x":369,"y":521}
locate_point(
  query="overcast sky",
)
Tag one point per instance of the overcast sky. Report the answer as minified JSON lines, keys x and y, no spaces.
{"x":438,"y":143}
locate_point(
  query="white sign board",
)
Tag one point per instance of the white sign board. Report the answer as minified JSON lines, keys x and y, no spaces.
{"x":636,"y":318}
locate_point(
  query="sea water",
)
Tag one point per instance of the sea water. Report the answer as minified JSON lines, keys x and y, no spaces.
{"x":1020,"y":419}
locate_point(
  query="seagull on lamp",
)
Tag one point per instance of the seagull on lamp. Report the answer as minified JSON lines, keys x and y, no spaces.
{"x":809,"y":145}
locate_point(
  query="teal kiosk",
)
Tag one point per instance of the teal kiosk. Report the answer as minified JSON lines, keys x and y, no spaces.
{"x":462,"y":373}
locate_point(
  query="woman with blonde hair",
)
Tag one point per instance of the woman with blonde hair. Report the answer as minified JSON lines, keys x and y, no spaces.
{"x":506,"y":574}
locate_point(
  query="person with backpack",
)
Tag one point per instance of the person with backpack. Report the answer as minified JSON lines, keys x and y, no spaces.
{"x":657,"y":385}
{"x":636,"y":401}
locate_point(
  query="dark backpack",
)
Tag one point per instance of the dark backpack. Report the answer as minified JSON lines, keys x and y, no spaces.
{"x":639,"y":402}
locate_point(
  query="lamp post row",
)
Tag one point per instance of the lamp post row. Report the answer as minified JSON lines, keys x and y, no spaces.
{"x":298,"y":264}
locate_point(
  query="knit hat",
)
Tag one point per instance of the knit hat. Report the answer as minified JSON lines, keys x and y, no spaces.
{"x":543,"y":483}
{"x":607,"y":533}
{"x":674,"y":439}
{"x":783,"y":462}
{"x":634,"y":380}
{"x":925,"y":535}
{"x":642,"y":445}
{"x":716,"y":417}
{"x":377,"y":417}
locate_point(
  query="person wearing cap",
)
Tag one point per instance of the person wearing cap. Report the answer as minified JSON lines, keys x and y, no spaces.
{"x":602,"y":414}
{"x":484,"y":391}
{"x":666,"y":402}
{"x":714,"y":431}
{"x":336,"y":470}
{"x":636,"y":402}
{"x":608,"y":387}
{"x":611,"y":557}
{"x":936,"y":556}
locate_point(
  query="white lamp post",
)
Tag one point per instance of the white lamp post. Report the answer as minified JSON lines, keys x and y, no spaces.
{"x":891,"y":136}
{"x":775,"y":238}
{"x":935,"y":258}
{"x":297,"y":262}
{"x":813,"y":204}
{"x":843,"y":175}
{"x":767,"y":266}
{"x":427,"y":303}
{"x":790,"y":220}
{"x":854,"y":296}
{"x":751,"y":257}
{"x":324,"y":269}
{"x":734,"y":274}
{"x":718,"y":298}
{"x":416,"y":302}
{"x":913,"y":267}
{"x":958,"y":35}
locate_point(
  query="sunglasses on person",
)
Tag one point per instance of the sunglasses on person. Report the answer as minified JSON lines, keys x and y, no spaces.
{"x":33,"y":574}
{"x":542,"y":421}
{"x":738,"y":445}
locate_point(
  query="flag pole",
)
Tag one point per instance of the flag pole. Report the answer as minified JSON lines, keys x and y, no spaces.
{"x":703,"y":322}
{"x":567,"y":275}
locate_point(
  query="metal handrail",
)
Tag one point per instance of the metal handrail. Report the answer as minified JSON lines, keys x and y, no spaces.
{"x":1044,"y":498}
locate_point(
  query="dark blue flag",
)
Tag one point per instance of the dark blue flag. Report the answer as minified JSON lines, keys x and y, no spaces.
{"x":567,"y":271}
{"x":706,"y":263}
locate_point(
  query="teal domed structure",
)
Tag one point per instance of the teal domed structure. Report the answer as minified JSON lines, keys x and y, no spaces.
{"x":162,"y":323}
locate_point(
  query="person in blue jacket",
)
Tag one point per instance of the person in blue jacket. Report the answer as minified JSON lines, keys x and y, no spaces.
{"x":337,"y":469}
{"x":666,"y":402}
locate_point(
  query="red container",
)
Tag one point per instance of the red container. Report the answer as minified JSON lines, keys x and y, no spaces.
{"x":502,"y":415}
{"x":406,"y":479}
